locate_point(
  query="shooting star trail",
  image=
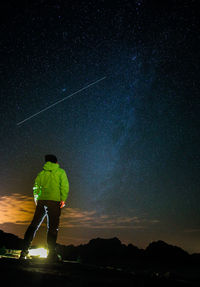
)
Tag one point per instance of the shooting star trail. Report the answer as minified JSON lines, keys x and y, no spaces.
{"x":47,"y":108}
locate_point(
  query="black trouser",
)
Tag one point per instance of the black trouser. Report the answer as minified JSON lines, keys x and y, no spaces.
{"x":44,"y":208}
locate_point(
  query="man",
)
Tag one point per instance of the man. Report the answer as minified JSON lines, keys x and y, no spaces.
{"x":50,"y":193}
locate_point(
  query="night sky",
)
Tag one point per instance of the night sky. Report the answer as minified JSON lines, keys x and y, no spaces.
{"x":129,"y":143}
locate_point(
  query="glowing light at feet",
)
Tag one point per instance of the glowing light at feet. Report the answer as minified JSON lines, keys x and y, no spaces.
{"x":39,"y":252}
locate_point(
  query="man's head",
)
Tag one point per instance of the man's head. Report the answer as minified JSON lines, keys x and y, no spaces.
{"x":51,"y":158}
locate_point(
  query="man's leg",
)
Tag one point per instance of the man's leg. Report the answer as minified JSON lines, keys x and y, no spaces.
{"x":53,"y":216}
{"x":40,"y":213}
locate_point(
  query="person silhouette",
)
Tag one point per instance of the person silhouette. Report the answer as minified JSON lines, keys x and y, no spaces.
{"x":50,"y":192}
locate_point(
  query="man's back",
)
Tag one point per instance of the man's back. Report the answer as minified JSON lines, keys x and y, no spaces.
{"x":51,"y":183}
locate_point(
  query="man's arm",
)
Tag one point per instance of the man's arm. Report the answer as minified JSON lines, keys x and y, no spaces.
{"x":64,"y":189}
{"x":37,"y":188}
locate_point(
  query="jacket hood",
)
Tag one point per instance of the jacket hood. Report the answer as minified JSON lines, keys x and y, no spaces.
{"x":50,"y":166}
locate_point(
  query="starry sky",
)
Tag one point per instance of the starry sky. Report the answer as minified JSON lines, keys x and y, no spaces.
{"x":129,"y":143}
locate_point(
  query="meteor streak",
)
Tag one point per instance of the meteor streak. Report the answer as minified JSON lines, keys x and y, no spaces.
{"x":43,"y":110}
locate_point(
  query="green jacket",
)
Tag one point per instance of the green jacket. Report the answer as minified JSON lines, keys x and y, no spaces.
{"x":51,"y":183}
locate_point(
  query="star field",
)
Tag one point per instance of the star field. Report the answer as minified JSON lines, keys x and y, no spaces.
{"x":130,"y":143}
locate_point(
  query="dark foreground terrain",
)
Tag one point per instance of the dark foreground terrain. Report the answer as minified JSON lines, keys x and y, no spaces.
{"x":38,"y":272}
{"x":101,"y":262}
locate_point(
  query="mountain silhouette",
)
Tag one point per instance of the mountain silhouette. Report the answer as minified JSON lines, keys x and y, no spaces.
{"x":10,"y":241}
{"x":109,"y":252}
{"x":161,"y":249}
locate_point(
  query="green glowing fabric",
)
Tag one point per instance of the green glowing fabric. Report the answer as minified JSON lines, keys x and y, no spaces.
{"x":51,"y":183}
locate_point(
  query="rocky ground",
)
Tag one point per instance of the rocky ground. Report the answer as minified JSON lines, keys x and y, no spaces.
{"x":38,"y":272}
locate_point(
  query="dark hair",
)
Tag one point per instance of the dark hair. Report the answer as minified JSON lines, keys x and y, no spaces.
{"x":51,"y":158}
